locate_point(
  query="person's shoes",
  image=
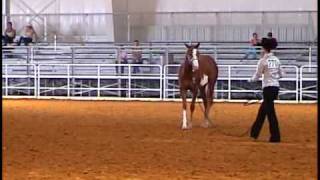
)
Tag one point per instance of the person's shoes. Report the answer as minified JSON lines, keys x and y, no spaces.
{"x":274,"y":140}
{"x":254,"y":138}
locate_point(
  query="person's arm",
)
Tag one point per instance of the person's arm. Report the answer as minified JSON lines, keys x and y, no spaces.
{"x":258,"y":72}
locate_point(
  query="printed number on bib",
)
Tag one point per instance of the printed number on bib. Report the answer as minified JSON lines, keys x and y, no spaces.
{"x":272,"y":63}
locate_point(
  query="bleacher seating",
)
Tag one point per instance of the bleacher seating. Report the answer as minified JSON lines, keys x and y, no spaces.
{"x":153,"y":53}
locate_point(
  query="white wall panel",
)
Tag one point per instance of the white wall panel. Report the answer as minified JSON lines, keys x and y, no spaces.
{"x":221,"y":5}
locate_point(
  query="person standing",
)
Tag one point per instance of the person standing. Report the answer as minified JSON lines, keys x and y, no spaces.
{"x":269,"y":66}
{"x":273,"y":40}
{"x":254,"y":41}
{"x":123,"y":59}
{"x":136,"y":56}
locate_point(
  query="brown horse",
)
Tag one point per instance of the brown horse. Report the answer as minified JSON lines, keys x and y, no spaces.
{"x":197,"y":72}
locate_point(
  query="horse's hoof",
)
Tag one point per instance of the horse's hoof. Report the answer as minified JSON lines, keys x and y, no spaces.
{"x":186,"y":127}
{"x":206,"y":125}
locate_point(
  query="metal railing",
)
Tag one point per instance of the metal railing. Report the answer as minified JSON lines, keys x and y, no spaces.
{"x":230,"y":75}
{"x":308,"y":83}
{"x":116,"y":83}
{"x":150,"y":82}
{"x":25,"y":79}
{"x":156,"y":54}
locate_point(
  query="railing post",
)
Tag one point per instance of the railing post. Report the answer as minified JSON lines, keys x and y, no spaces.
{"x":164,"y":82}
{"x":167,"y":56}
{"x":28,"y":69}
{"x":98,"y":92}
{"x":72,"y":72}
{"x":129,"y":80}
{"x":301,"y":81}
{"x":6,"y":75}
{"x":35,"y":80}
{"x":297,"y":84}
{"x":68,"y":81}
{"x":118,"y":70}
{"x":229,"y":83}
{"x":310,"y":58}
{"x":160,"y":80}
{"x":39,"y":77}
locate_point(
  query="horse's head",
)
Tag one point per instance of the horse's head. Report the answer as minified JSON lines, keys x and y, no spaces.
{"x":192,"y":56}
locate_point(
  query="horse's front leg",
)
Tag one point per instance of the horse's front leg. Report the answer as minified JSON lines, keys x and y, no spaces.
{"x":192,"y":106}
{"x":184,"y":108}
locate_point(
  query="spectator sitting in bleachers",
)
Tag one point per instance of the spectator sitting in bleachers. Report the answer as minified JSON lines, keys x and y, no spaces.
{"x":254,"y":41}
{"x":136,"y":56}
{"x":28,"y":36}
{"x":9,"y":34}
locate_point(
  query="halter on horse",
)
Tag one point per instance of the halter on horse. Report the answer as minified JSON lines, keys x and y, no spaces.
{"x":197,"y":72}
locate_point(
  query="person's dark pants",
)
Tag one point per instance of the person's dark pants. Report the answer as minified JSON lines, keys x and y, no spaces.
{"x":25,"y":40}
{"x":6,"y":39}
{"x":121,"y":67}
{"x":136,"y":69}
{"x":267,"y":108}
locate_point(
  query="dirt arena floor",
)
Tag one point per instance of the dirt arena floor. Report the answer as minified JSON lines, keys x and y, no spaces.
{"x":95,"y":140}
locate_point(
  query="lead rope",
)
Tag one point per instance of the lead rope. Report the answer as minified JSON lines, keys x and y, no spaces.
{"x":224,"y":133}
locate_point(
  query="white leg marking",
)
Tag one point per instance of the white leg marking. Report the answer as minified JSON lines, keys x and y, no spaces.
{"x":184,"y":119}
{"x":204,"y":81}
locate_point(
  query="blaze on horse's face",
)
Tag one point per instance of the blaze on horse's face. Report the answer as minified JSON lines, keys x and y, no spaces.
{"x":192,"y":52}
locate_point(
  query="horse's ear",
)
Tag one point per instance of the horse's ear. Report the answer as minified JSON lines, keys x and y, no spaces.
{"x":187,"y":46}
{"x":197,"y":46}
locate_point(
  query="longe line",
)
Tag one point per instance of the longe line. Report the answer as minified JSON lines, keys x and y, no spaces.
{"x":224,"y":133}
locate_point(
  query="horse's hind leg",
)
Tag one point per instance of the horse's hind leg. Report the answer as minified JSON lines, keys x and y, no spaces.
{"x":204,"y":99}
{"x":209,"y":95}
